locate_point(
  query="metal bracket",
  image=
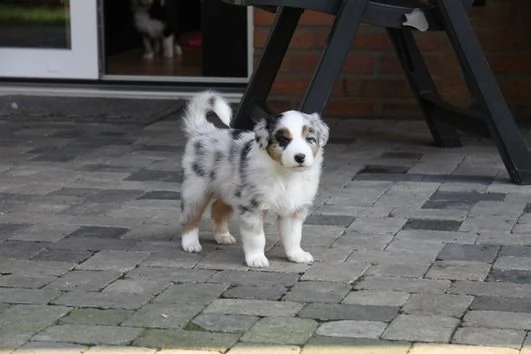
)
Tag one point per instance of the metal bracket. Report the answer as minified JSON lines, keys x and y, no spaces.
{"x":417,"y":19}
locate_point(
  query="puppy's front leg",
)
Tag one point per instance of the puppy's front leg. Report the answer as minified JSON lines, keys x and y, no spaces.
{"x":253,"y":238}
{"x":290,"y":228}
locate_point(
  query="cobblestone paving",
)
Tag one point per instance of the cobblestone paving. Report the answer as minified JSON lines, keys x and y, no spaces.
{"x":418,"y":250}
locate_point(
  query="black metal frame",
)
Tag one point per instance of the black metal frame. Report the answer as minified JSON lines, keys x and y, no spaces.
{"x":494,"y":112}
{"x":493,"y":118}
{"x":264,"y":75}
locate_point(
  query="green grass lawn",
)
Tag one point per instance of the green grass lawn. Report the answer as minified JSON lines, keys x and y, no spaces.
{"x":33,"y":15}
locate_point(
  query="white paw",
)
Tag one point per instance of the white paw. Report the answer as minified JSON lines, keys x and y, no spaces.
{"x":224,"y":239}
{"x":148,"y":55}
{"x":256,"y":260}
{"x":301,"y":257}
{"x":190,"y":245}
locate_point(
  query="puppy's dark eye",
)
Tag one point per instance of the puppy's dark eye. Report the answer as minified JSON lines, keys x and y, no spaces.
{"x":311,"y":140}
{"x":282,"y":138}
{"x":282,"y":141}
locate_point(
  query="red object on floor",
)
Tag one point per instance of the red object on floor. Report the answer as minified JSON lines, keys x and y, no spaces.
{"x":193,"y":40}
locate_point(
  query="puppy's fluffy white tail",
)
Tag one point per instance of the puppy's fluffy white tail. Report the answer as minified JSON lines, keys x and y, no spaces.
{"x":194,"y":120}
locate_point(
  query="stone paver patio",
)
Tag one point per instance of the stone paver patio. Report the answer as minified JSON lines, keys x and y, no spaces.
{"x":419,"y":250}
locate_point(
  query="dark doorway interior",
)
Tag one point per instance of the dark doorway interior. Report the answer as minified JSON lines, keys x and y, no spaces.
{"x":213,"y":37}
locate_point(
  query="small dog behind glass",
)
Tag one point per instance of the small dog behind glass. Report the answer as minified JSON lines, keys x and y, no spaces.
{"x":273,"y":169}
{"x":156,"y":21}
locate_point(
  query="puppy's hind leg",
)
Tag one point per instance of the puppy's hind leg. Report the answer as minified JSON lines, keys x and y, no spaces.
{"x":194,"y":203}
{"x":221,"y":214}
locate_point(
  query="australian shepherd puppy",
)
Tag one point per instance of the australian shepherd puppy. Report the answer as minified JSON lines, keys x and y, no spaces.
{"x":275,"y":168}
{"x":156,"y":20}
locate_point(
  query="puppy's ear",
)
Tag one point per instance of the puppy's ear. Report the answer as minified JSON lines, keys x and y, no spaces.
{"x":263,"y":129}
{"x":270,"y":119}
{"x":321,"y":128}
{"x":261,"y":133}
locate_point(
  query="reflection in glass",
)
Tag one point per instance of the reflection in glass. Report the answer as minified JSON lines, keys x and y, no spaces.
{"x":35,"y":24}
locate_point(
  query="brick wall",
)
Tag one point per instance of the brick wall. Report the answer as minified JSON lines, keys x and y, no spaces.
{"x":372,"y":83}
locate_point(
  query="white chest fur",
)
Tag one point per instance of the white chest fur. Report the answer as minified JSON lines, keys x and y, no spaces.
{"x":286,"y":194}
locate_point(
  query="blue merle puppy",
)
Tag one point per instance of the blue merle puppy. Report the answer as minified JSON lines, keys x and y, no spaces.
{"x":275,"y":168}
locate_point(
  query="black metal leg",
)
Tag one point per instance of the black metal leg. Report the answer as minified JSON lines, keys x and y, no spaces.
{"x":485,"y":91}
{"x":267,"y":68}
{"x":422,"y":84}
{"x":343,"y":32}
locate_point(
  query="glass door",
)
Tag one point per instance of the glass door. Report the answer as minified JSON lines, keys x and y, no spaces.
{"x":212,"y":39}
{"x":49,"y":39}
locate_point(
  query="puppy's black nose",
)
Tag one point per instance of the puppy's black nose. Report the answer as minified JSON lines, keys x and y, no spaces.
{"x":299,"y":158}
